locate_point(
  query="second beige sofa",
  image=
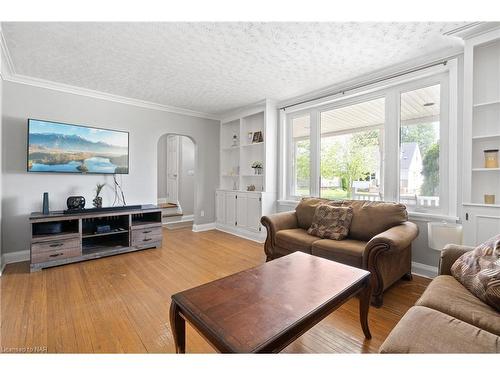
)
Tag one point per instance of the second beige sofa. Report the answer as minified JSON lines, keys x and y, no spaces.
{"x":447,"y":318}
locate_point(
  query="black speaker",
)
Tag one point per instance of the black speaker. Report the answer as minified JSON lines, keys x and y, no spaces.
{"x":75,"y":203}
{"x":45,"y":205}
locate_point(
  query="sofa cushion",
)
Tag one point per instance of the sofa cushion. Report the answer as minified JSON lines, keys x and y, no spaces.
{"x":423,"y":330}
{"x":369,"y":218}
{"x":479,"y":271}
{"x":295,"y":240}
{"x":331,"y":222}
{"x":447,"y":295}
{"x":372,"y":218}
{"x":347,"y":251}
{"x":305,"y":211}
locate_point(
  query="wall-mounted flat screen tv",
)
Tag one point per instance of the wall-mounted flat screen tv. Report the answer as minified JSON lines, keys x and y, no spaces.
{"x":64,"y":148}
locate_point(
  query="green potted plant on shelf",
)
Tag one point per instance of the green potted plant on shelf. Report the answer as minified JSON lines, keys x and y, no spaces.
{"x":257,"y":166}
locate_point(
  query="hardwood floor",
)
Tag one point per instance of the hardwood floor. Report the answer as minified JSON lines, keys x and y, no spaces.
{"x":120,"y":304}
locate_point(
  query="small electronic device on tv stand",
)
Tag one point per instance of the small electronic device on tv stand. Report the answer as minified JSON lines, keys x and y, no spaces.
{"x":102,"y":209}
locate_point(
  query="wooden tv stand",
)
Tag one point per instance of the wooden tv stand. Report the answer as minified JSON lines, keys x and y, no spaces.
{"x":78,"y":237}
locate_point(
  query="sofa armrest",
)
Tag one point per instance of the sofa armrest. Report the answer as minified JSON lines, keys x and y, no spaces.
{"x":449,"y":255}
{"x":274,"y":223}
{"x":280,"y":221}
{"x":396,"y":238}
{"x":388,"y":257}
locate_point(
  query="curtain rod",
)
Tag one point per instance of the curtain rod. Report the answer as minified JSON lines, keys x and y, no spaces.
{"x":382,"y":79}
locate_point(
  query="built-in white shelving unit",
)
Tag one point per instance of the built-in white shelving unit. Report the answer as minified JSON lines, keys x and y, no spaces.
{"x":481,"y":132}
{"x":239,"y":210}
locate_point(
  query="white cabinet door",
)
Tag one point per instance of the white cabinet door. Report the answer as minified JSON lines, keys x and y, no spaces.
{"x":480,"y":224}
{"x":253,"y":212}
{"x":241,"y":210}
{"x":220,"y":198}
{"x":230,"y":203}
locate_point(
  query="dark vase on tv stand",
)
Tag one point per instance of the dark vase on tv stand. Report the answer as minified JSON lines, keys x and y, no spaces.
{"x":97,"y":201}
{"x":45,"y":205}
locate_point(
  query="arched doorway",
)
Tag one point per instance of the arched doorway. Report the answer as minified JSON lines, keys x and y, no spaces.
{"x":176,"y":180}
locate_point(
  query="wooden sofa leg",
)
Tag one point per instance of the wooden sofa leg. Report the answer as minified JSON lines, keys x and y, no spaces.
{"x":378,"y":300}
{"x":407,"y":276}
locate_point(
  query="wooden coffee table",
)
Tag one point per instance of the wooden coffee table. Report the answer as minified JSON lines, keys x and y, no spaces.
{"x":264,"y":309}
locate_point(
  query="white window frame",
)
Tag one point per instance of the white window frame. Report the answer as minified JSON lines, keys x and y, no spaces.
{"x":290,"y":153}
{"x":444,"y":144}
{"x":446,"y":76}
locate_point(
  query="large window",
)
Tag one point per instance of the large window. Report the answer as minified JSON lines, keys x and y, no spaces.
{"x":419,"y":147}
{"x":301,"y":156}
{"x":351,"y":152}
{"x":391,"y":144}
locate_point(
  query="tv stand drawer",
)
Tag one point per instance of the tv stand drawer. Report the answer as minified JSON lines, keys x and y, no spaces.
{"x":145,"y":236}
{"x":55,"y":245}
{"x":55,"y":255}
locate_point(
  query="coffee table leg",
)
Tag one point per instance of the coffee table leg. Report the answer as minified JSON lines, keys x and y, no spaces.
{"x":178,"y":326}
{"x":364,"y":305}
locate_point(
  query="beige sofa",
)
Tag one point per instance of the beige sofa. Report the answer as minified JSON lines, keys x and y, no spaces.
{"x":379,"y":239}
{"x":447,"y":318}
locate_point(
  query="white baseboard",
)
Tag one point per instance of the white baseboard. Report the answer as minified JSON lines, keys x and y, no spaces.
{"x":183,"y":219}
{"x":259,"y":237}
{"x":424,"y":270}
{"x":203,"y":227}
{"x":15,"y":257}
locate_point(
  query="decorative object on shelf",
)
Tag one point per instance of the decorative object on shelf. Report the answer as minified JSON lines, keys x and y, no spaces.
{"x":250,"y":137}
{"x":119,"y":196}
{"x":491,"y":158}
{"x":97,"y":201}
{"x":251,"y":188}
{"x":235,"y":140}
{"x":45,"y":204}
{"x":257,"y":166}
{"x":489,"y":198}
{"x":439,"y":234}
{"x":102,"y":229}
{"x":75,"y":203}
{"x":234,"y":177}
{"x":257,"y":137}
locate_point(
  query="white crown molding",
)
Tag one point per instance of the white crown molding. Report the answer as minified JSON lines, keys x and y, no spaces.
{"x":7,"y":65}
{"x":472,"y":29}
{"x":243,"y":111}
{"x":378,"y":74}
{"x":10,"y":75}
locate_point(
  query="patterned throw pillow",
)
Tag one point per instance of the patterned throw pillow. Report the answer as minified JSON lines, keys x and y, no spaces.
{"x":479,"y":271}
{"x":331,"y":222}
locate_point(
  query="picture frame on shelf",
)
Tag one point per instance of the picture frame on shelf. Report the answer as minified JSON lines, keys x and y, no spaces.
{"x":257,"y":137}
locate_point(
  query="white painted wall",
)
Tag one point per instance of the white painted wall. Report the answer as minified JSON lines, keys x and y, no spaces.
{"x":1,"y":152}
{"x":162,"y":167}
{"x":22,"y":191}
{"x":186,"y":176}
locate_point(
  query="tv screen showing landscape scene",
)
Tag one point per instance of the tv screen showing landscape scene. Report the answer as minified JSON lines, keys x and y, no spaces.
{"x":65,"y":148}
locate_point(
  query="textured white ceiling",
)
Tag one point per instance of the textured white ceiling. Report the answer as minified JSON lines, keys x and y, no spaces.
{"x":214,"y":67}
